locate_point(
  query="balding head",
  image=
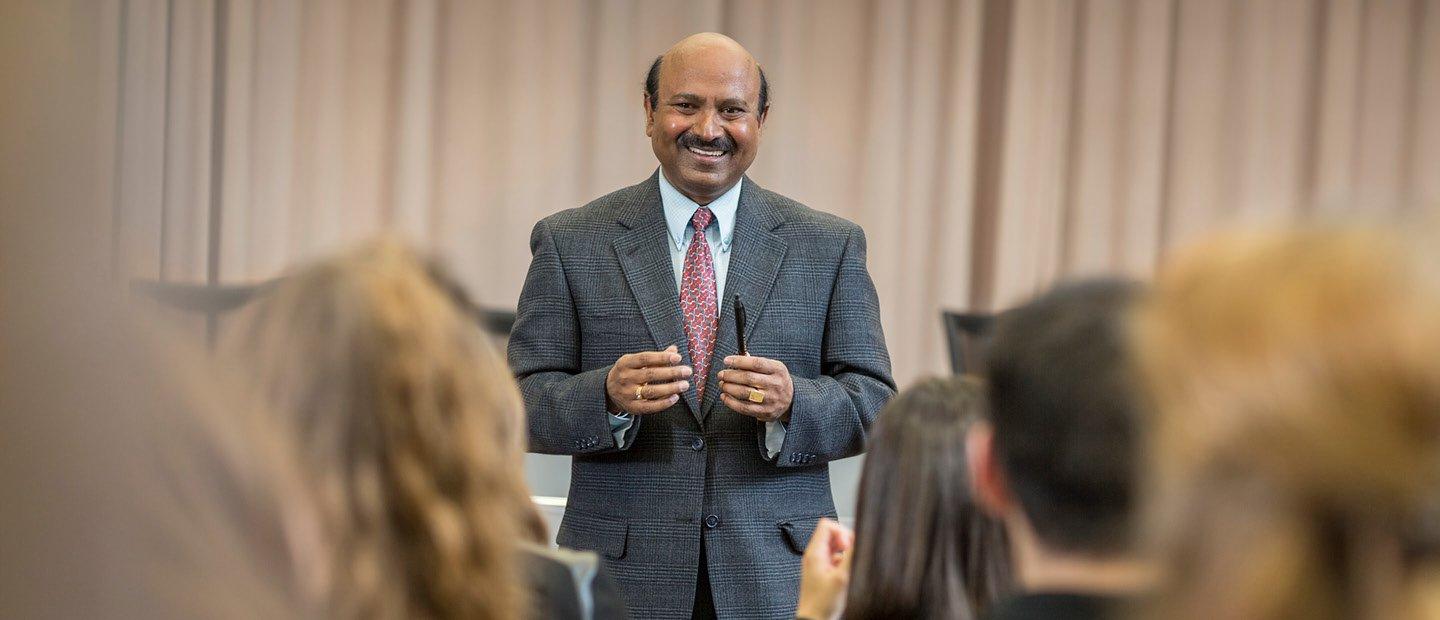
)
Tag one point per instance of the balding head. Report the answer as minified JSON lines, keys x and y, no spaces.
{"x":705,"y":101}
{"x":699,"y":41}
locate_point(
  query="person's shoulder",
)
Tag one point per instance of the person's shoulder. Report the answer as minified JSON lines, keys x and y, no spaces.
{"x":801,"y":219}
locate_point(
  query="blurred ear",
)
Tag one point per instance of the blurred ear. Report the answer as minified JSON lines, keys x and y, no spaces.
{"x":987,"y":479}
{"x":649,"y":114}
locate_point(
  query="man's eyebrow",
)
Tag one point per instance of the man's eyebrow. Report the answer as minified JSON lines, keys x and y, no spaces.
{"x":685,"y":96}
{"x":733,"y":101}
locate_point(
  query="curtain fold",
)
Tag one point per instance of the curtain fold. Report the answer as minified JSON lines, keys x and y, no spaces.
{"x":988,"y":147}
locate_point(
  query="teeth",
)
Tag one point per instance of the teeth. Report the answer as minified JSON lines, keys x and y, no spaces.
{"x":706,"y":153}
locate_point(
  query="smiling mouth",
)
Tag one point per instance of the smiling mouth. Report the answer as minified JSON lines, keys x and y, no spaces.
{"x":705,"y":152}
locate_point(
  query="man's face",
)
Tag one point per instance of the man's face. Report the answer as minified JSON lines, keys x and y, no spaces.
{"x":705,"y":122}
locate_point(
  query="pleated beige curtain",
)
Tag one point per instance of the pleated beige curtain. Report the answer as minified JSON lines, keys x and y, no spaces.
{"x":988,"y":147}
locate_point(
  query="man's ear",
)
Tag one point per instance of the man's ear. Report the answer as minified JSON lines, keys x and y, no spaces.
{"x":987,"y":478}
{"x":649,"y":115}
{"x":764,"y":113}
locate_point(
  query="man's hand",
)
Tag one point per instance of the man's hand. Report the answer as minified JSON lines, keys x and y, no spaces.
{"x":646,"y":382}
{"x":825,"y":572}
{"x":748,"y":379}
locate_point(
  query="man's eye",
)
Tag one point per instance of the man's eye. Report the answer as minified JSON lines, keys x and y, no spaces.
{"x":734,"y":111}
{"x":684,"y":106}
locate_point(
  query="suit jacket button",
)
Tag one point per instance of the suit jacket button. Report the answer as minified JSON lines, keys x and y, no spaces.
{"x":697,"y":444}
{"x":712,"y":522}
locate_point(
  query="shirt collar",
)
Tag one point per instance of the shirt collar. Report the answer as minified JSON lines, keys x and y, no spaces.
{"x":679,"y":209}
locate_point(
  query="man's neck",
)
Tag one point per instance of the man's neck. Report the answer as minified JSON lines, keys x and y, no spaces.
{"x":703,"y":201}
{"x":1039,"y":569}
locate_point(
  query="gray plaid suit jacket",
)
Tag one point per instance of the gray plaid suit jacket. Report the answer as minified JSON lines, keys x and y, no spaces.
{"x":601,"y":285}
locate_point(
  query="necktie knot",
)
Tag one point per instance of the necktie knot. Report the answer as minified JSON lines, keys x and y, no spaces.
{"x":701,"y":219}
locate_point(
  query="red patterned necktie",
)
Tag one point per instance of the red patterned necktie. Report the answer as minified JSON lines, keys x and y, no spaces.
{"x":697,"y":300}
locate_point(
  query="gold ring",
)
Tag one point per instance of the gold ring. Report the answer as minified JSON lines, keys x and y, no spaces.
{"x":756,"y":396}
{"x":640,"y":391}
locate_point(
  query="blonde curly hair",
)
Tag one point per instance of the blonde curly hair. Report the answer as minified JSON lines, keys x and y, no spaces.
{"x":410,"y":428}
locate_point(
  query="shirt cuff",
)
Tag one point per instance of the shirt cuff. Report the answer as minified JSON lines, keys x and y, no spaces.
{"x":774,"y":439}
{"x":620,"y":424}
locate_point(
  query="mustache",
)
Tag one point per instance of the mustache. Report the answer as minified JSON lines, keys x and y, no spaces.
{"x":722,"y":143}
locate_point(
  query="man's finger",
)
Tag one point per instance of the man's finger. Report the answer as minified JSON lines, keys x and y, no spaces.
{"x":762,"y":365}
{"x":746,"y":408}
{"x":656,"y":391}
{"x":738,"y":391}
{"x":660,"y":374}
{"x":652,"y":406}
{"x":745,"y":377}
{"x":645,"y":359}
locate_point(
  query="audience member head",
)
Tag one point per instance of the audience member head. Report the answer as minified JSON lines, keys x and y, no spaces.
{"x":922,"y":546}
{"x":410,"y":428}
{"x":1056,"y":460}
{"x":1296,"y":381}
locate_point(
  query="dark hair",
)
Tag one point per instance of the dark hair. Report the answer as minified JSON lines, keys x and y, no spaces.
{"x":652,"y":85}
{"x":923,"y":547}
{"x":1063,"y":407}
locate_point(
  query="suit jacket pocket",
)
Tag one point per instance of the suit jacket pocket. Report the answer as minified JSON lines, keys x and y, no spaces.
{"x":797,"y":532}
{"x":604,"y":535}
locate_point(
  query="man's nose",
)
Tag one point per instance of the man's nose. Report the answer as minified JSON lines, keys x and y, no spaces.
{"x":708,"y":128}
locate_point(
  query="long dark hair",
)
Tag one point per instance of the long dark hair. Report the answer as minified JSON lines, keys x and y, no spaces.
{"x":923,"y":548}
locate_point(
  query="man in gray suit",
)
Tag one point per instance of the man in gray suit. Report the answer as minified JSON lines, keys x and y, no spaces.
{"x":699,"y":472}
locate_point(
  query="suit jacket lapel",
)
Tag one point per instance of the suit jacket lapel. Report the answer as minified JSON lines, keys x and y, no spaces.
{"x":644,"y":256}
{"x":755,"y":255}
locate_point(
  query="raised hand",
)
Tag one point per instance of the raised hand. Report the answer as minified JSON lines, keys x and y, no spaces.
{"x":825,"y":572}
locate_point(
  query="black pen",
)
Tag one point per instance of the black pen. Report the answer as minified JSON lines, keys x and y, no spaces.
{"x":740,"y":325}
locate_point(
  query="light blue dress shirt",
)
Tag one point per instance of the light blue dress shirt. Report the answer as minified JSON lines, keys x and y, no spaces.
{"x":679,"y":209}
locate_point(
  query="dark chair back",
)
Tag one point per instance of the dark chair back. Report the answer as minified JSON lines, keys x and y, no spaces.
{"x":967,"y":334}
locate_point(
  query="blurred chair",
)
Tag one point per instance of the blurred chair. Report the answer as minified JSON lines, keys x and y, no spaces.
{"x":209,"y":300}
{"x":214,"y":301}
{"x":968,"y":335}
